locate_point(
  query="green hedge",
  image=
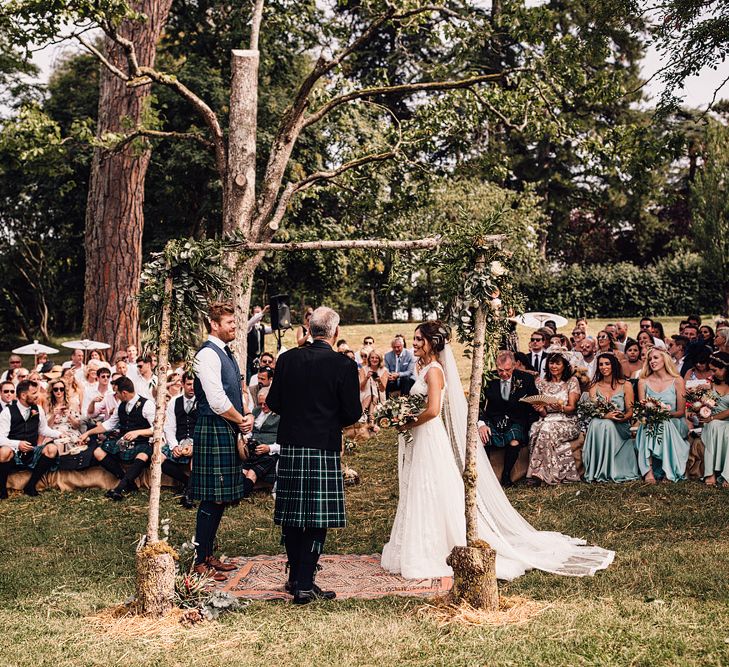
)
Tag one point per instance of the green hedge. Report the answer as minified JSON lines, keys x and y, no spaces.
{"x":677,"y":284}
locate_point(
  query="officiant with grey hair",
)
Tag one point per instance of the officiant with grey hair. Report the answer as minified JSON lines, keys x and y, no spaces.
{"x":316,"y":393}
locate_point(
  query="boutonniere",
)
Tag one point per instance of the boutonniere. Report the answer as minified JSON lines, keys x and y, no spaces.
{"x":34,"y":413}
{"x":515,"y":385}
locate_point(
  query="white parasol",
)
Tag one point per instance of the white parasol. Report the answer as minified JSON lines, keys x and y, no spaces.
{"x":35,"y":348}
{"x":536,"y":320}
{"x":86,"y":344}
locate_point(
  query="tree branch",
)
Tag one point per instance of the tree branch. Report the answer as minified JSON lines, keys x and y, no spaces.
{"x":159,"y":134}
{"x":102,"y":59}
{"x":350,"y":244}
{"x":399,"y":90}
{"x":256,"y":24}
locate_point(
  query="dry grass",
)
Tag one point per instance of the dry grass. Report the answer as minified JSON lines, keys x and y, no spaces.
{"x":514,"y":610}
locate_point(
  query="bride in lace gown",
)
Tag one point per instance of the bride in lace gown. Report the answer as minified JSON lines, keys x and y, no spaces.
{"x":430,"y":518}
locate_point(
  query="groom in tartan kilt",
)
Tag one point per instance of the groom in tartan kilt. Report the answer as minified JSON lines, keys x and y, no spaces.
{"x":316,"y":393}
{"x":217,"y":479}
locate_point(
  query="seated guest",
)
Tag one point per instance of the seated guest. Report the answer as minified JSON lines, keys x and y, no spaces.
{"x":145,"y":381}
{"x":372,"y":383}
{"x":102,"y":403}
{"x":666,"y":452}
{"x":621,"y":335}
{"x":133,"y":419}
{"x":342,"y":346}
{"x":578,"y":335}
{"x":351,"y":355}
{"x":645,"y":339}
{"x":715,"y":428}
{"x":694,"y":346}
{"x":263,"y":450}
{"x":581,"y":323}
{"x":97,"y":355}
{"x":400,"y":364}
{"x":521,"y":363}
{"x":589,"y":349}
{"x":180,"y":420}
{"x":367,"y":343}
{"x":14,"y":361}
{"x":43,"y":365}
{"x":42,"y":400}
{"x":551,"y":460}
{"x":608,"y":453}
{"x":76,"y":363}
{"x":21,"y":375}
{"x":606,"y":343}
{"x":658,"y":333}
{"x":707,"y":334}
{"x":268,"y":360}
{"x":646,"y":324}
{"x":21,"y":425}
{"x":700,"y":373}
{"x":302,"y":333}
{"x":504,"y":421}
{"x":721,"y":339}
{"x":694,"y":320}
{"x":677,"y":349}
{"x":74,"y":390}
{"x":7,"y":394}
{"x":631,"y":363}
{"x":265,"y":377}
{"x":537,"y":354}
{"x":62,"y":417}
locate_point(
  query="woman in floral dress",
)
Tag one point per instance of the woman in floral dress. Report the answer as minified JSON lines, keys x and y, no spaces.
{"x":551,"y":460}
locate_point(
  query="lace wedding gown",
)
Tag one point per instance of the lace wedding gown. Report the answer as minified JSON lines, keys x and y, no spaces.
{"x":430,"y":518}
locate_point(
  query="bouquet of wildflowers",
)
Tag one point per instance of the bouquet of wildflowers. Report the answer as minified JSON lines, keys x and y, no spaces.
{"x":652,"y":413}
{"x":401,"y":410}
{"x":700,"y":402}
{"x":591,"y":409}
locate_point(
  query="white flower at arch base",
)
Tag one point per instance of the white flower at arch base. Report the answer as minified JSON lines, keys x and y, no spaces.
{"x":498,"y":269}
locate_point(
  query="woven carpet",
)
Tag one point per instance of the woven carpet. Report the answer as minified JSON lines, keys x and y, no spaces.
{"x":351,"y":576}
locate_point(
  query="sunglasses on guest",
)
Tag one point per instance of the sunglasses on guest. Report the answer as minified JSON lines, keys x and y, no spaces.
{"x":8,"y":391}
{"x":536,"y":340}
{"x":59,"y":388}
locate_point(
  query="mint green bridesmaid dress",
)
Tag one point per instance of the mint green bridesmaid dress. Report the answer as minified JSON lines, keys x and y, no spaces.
{"x":608,"y":453}
{"x":670,"y":449}
{"x":715,"y":436}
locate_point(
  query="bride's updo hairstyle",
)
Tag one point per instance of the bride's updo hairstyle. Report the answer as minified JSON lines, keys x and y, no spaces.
{"x":436,"y":333}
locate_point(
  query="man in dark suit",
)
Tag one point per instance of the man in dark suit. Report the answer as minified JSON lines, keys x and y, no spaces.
{"x":504,"y":421}
{"x":263,"y":448}
{"x":316,"y":393}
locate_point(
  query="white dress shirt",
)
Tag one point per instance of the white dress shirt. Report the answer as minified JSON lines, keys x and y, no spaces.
{"x":43,"y":428}
{"x":143,"y":386}
{"x":103,"y":408}
{"x":148,"y":408}
{"x":171,"y":418}
{"x":275,"y":448}
{"x":207,"y":369}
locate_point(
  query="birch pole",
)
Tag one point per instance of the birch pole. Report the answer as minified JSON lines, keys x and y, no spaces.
{"x":474,"y":566}
{"x":156,"y":560}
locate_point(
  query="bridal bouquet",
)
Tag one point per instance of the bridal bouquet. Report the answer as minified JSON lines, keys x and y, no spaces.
{"x":652,"y":413}
{"x":592,"y":409}
{"x":397,"y":411}
{"x":700,"y":402}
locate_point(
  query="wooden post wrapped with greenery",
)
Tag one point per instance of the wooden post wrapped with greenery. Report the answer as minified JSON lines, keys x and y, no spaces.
{"x":476,"y":284}
{"x":181,"y":279}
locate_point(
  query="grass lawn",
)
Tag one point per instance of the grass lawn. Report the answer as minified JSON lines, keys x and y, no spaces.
{"x":664,"y":601}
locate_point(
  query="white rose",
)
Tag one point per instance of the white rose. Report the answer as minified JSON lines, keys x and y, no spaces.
{"x":497,"y":268}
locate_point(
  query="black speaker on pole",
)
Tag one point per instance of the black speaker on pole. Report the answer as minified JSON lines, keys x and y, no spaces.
{"x":280,"y":312}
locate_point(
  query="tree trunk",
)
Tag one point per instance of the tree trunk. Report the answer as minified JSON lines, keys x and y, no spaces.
{"x":114,"y":210}
{"x":373,"y":303}
{"x":474,"y":566}
{"x":155,"y":562}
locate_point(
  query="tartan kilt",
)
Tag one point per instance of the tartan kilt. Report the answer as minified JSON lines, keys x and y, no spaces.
{"x":28,"y":461}
{"x":126,"y":453}
{"x":216,"y":467}
{"x":501,"y":437}
{"x":182,"y":460}
{"x":309,"y":489}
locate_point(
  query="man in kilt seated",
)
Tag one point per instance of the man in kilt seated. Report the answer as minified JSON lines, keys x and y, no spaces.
{"x":133,"y":419}
{"x":180,"y":423}
{"x":504,"y":421}
{"x":263,"y":450}
{"x":316,"y":393}
{"x":21,"y":423}
{"x":217,"y":476}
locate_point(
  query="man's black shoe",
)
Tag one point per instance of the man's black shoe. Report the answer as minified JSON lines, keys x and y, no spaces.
{"x":314,"y":593}
{"x":290,"y":587}
{"x":113,"y":494}
{"x":186,"y":501}
{"x":30,"y":491}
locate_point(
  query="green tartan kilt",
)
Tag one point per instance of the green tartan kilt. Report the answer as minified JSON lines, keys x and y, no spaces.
{"x":216,"y":467}
{"x":309,"y":489}
{"x":28,"y":461}
{"x":126,"y":453}
{"x":501,"y":437}
{"x":182,"y":460}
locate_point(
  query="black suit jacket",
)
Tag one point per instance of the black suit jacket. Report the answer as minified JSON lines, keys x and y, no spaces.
{"x":496,"y":408}
{"x":316,"y":393}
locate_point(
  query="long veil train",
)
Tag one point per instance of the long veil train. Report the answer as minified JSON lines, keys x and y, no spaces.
{"x":519,"y":547}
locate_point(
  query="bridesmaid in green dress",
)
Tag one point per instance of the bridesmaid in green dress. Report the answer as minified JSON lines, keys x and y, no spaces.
{"x":715,"y":428}
{"x":608,"y":453}
{"x":666,"y":453}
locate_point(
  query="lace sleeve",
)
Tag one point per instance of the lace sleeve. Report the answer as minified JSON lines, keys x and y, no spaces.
{"x":573,"y":386}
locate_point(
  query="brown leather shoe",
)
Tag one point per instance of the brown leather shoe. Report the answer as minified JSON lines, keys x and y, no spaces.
{"x":204,"y":569}
{"x":219,"y":565}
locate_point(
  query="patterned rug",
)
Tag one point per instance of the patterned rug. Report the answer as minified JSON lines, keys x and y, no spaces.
{"x":351,"y":576}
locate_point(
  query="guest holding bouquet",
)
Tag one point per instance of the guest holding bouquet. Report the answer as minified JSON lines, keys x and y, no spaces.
{"x":608,"y":453}
{"x":551,"y":460}
{"x":663,"y":450}
{"x":715,"y":424}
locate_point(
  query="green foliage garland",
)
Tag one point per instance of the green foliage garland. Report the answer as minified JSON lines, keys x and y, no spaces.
{"x":197,"y":276}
